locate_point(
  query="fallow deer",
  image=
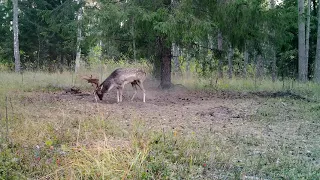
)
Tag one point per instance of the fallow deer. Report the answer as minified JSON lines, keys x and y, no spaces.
{"x":118,"y":79}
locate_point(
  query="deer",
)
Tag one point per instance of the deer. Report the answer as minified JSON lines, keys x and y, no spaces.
{"x":118,"y":79}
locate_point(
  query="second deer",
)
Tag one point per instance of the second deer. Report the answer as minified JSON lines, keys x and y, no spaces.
{"x":118,"y":79}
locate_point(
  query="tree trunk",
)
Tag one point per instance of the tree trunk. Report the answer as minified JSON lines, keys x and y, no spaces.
{"x":61,"y":63}
{"x":273,"y":51}
{"x":230,"y":58}
{"x":220,"y":40}
{"x":175,"y":58}
{"x":246,"y":60}
{"x":308,"y":36}
{"x":317,"y":60}
{"x":272,"y":3}
{"x":79,"y":36}
{"x":274,"y":64}
{"x":314,"y":10}
{"x":15,"y":25}
{"x":259,"y":66}
{"x":165,"y":74}
{"x":188,"y":59}
{"x":100,"y":59}
{"x":210,"y":55}
{"x":133,"y":41}
{"x":39,"y":49}
{"x":302,"y":43}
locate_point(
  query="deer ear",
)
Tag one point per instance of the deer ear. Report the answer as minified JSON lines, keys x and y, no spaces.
{"x":101,"y":87}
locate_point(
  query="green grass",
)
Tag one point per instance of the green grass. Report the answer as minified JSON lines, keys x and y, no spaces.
{"x":11,"y":82}
{"x":309,"y":90}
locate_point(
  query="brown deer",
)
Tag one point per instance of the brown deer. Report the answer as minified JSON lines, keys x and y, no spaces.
{"x":118,"y":79}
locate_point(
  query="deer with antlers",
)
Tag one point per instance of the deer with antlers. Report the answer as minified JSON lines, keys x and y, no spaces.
{"x":118,"y":79}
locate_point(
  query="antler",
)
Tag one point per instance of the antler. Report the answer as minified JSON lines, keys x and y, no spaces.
{"x":92,"y":81}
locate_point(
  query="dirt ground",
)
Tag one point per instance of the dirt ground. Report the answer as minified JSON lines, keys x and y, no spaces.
{"x":179,"y":108}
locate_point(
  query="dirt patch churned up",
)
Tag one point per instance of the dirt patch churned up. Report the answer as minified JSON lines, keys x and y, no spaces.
{"x":177,"y":108}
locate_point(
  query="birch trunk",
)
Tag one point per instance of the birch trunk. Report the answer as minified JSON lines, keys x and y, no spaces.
{"x":259,"y":66}
{"x":79,"y":36}
{"x":39,"y":49}
{"x":133,"y":41}
{"x":188,"y":59}
{"x":100,"y":60}
{"x":230,"y":58}
{"x":317,"y":60}
{"x":273,"y":51}
{"x":175,"y":58}
{"x":274,"y":64}
{"x":246,"y":60}
{"x":302,"y":42}
{"x":210,"y":54}
{"x":15,"y":25}
{"x":307,"y":36}
{"x":220,"y":40}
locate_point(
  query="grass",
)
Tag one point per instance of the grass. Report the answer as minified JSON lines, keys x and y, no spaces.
{"x":44,"y":81}
{"x":65,"y":140}
{"x":309,"y":90}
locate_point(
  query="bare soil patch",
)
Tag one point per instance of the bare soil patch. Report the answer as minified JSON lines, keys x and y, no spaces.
{"x":177,"y":108}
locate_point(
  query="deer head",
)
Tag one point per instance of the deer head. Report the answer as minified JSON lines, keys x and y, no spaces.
{"x":99,"y":92}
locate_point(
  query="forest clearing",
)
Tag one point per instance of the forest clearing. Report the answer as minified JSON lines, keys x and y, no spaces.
{"x":184,"y":132}
{"x":217,"y":89}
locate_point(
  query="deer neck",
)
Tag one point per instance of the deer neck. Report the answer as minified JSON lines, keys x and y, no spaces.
{"x":106,"y":86}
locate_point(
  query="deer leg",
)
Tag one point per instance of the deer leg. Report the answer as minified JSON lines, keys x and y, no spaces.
{"x":134,"y":85}
{"x":143,"y":90}
{"x":118,"y":95}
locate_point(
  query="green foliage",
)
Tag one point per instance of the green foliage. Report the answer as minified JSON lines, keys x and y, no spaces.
{"x":133,"y":29}
{"x":6,"y":38}
{"x":10,"y":167}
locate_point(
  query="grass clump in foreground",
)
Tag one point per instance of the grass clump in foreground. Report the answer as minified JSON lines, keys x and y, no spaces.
{"x":139,"y":155}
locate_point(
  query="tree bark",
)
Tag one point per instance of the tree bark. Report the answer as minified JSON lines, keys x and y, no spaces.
{"x":175,"y":58}
{"x":308,"y":36}
{"x":274,"y":64}
{"x":61,"y":63}
{"x":165,"y":69}
{"x":259,"y":66}
{"x":15,"y":25}
{"x":210,"y":54}
{"x":302,"y":43}
{"x":220,"y":40}
{"x":272,"y":3}
{"x":230,"y":58}
{"x":133,"y":40}
{"x":317,"y":60}
{"x":188,"y":59}
{"x":79,"y":36}
{"x":246,"y":60}
{"x":273,"y":51}
{"x":39,"y":49}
